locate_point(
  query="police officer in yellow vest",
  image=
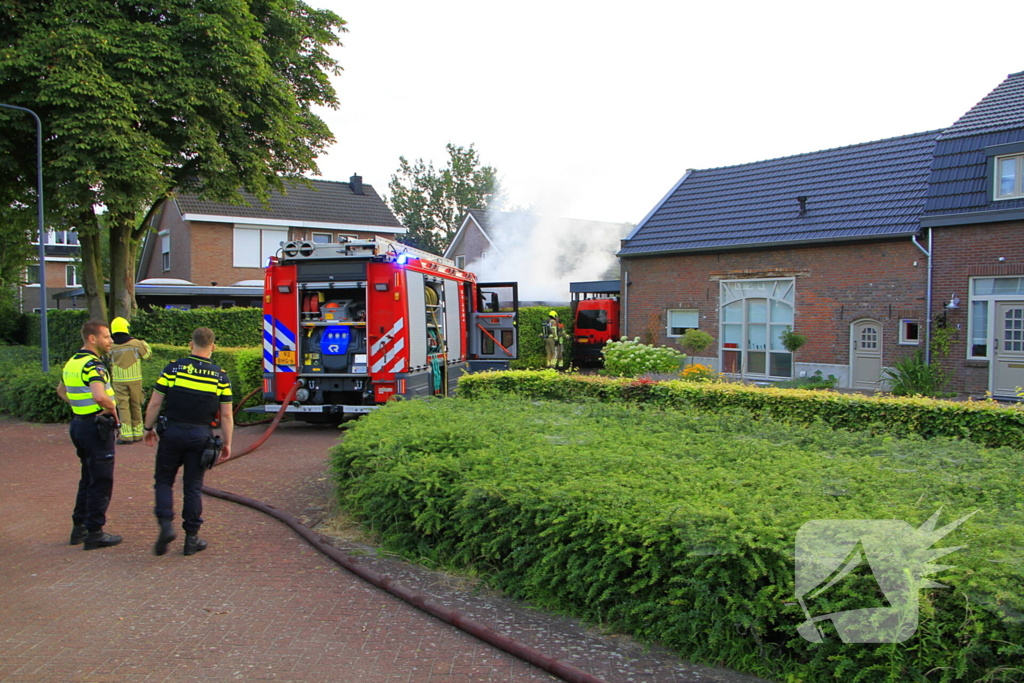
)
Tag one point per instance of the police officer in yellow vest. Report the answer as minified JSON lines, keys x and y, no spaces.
{"x":126,"y":358}
{"x":85,"y":385}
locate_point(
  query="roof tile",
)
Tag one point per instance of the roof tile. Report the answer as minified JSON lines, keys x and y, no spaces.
{"x":322,"y":201}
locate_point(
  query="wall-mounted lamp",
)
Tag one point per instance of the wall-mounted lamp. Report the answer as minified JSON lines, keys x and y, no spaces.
{"x":954,"y":302}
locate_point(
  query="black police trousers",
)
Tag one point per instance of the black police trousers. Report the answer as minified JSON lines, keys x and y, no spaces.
{"x":181,"y":446}
{"x":97,"y":479}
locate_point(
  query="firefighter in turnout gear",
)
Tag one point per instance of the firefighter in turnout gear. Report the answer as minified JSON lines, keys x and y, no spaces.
{"x":126,"y":357}
{"x":86,"y":387}
{"x":554,"y":340}
{"x":192,"y":392}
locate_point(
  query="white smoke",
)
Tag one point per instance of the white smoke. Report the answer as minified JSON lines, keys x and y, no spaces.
{"x":544,"y":254}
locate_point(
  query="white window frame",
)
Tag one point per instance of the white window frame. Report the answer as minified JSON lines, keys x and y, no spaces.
{"x":71,"y":275}
{"x":28,"y":269}
{"x":668,"y":321}
{"x":905,"y":339}
{"x":460,"y":262}
{"x":329,"y":236}
{"x":986,"y":301}
{"x":267,"y":238}
{"x":1018,"y":178}
{"x":165,"y":250}
{"x":774,"y":289}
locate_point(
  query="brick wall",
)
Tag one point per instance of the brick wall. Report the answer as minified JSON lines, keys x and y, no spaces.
{"x":963,"y":252}
{"x":474,"y":243}
{"x":169,"y":219}
{"x":835,"y":285}
{"x":213,"y":255}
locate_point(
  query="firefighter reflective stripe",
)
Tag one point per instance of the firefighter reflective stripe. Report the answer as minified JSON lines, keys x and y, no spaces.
{"x":385,"y":349}
{"x":79,"y":373}
{"x":127,"y":360}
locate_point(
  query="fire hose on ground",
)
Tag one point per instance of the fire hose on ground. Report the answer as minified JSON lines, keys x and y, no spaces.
{"x":531,"y":655}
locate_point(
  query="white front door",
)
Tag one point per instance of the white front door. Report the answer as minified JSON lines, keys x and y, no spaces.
{"x":865,"y":354}
{"x":1007,"y":373}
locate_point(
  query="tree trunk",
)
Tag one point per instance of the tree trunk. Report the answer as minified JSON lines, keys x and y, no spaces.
{"x":92,"y":273}
{"x":122,"y":267}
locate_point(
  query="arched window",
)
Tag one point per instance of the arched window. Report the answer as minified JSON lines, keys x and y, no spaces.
{"x":754,"y":314}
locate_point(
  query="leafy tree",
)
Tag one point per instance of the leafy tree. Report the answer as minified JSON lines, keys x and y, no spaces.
{"x":430,"y":203}
{"x":138,"y":99}
{"x":17,"y":228}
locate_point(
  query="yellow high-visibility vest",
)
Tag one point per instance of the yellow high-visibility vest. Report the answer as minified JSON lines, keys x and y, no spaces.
{"x":83,"y":369}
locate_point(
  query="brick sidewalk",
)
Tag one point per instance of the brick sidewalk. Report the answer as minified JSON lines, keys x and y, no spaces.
{"x":258,"y":605}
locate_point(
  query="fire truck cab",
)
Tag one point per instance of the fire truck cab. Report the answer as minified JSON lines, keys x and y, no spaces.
{"x":357,"y":323}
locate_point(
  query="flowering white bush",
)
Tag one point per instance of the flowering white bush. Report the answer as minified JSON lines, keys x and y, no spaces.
{"x":627,"y":358}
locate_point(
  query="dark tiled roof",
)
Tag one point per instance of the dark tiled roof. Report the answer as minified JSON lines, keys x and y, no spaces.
{"x":322,"y":201}
{"x":1001,"y":109}
{"x":960,"y":180}
{"x":874,"y":189}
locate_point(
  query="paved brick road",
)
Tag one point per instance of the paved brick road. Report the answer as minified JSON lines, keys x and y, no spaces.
{"x":258,"y":605}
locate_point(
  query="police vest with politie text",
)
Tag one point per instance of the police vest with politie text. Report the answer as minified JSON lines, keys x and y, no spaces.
{"x":84,"y":368}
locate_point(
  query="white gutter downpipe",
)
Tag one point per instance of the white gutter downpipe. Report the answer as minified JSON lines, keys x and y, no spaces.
{"x":625,"y":301}
{"x":927,"y":297}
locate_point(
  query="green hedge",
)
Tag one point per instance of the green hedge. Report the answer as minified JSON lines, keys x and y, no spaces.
{"x":679,"y":525}
{"x":531,"y":344}
{"x":984,"y":422}
{"x":233,"y":327}
{"x":29,"y":394}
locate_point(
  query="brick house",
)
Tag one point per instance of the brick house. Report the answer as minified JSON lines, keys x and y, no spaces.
{"x":63,"y":272}
{"x":857,"y":248}
{"x":210,"y":243}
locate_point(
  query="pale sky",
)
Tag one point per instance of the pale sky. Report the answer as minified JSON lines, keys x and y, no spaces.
{"x":594,"y":110}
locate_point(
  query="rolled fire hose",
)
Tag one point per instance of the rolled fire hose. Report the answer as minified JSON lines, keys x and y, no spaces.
{"x":531,"y":655}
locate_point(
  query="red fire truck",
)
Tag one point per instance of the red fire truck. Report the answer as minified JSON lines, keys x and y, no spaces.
{"x":350,"y":325}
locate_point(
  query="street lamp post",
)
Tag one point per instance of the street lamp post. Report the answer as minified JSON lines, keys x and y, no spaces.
{"x":44,"y":337}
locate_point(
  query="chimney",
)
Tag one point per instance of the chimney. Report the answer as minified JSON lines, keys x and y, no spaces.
{"x":803,"y":205}
{"x":356,"y":183}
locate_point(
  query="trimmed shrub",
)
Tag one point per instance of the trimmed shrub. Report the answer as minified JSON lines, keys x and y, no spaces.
{"x":531,"y":344}
{"x":984,"y":422}
{"x":679,"y":525}
{"x":29,"y":394}
{"x":234,"y":327}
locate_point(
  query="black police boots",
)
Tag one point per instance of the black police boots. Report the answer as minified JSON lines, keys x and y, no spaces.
{"x":78,"y":534}
{"x":166,"y":536}
{"x":100,"y":539}
{"x":194,"y":544}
